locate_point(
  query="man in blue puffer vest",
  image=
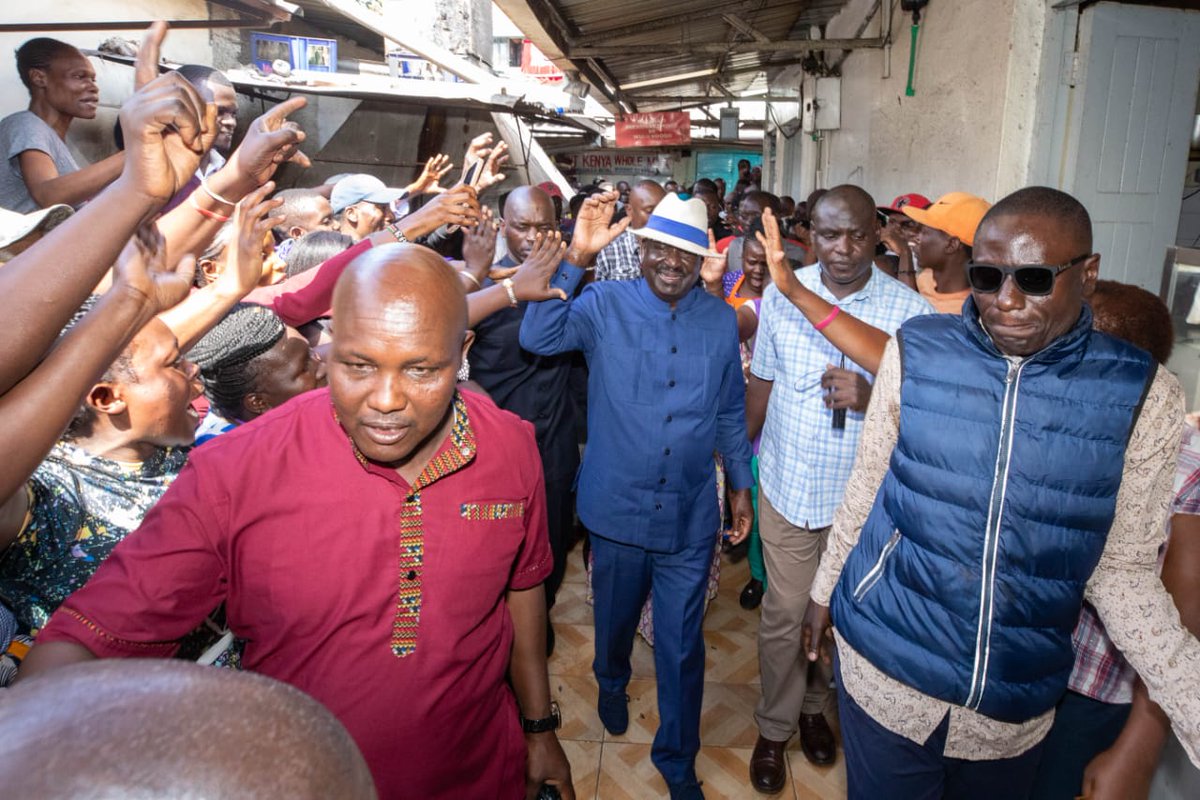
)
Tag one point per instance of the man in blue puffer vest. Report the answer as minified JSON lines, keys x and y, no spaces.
{"x":1013,"y":462}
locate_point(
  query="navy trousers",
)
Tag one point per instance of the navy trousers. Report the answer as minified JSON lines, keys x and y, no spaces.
{"x":1083,"y":728}
{"x":882,"y":764}
{"x":622,"y":576}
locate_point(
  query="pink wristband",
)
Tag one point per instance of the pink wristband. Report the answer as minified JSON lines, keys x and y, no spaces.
{"x":823,"y":324}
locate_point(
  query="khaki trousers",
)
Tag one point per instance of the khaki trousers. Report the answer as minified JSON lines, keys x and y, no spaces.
{"x":791,"y":686}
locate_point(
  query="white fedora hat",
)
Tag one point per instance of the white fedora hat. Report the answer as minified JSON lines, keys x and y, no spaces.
{"x":679,"y":223}
{"x":15,"y":226}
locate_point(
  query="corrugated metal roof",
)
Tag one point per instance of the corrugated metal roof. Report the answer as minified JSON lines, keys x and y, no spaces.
{"x":662,"y":40}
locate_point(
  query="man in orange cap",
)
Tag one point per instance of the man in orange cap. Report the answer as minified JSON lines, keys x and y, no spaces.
{"x":943,"y":247}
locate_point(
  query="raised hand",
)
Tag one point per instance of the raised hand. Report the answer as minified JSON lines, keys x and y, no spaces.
{"x":894,"y":238}
{"x":594,"y":228}
{"x":456,"y":206}
{"x":429,"y":181}
{"x":167,"y":128}
{"x":490,"y":174}
{"x":479,"y":244}
{"x":712,"y":268}
{"x":145,"y":67}
{"x":532,"y":279}
{"x":244,"y":266}
{"x":477,"y":150}
{"x":141,"y":271}
{"x":271,"y":140}
{"x":782,"y":274}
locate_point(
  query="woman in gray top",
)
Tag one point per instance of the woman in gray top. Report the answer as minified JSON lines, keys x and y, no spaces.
{"x":38,"y":169}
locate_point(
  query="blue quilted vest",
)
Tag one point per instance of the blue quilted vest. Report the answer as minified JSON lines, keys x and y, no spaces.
{"x":969,"y":575}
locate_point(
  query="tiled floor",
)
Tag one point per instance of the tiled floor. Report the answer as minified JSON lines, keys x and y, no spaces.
{"x":609,"y":767}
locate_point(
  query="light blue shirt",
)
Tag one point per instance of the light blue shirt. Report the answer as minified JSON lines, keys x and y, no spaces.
{"x":804,"y":462}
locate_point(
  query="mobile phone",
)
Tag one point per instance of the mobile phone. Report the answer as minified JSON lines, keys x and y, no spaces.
{"x":473,"y":173}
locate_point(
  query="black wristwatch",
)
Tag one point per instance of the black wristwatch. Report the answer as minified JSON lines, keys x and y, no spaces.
{"x":550,"y":723}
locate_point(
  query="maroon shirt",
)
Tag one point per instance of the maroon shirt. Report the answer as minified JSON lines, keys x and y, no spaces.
{"x":301,"y":537}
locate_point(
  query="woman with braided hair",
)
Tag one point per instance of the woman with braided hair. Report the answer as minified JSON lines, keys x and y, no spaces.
{"x":251,"y":362}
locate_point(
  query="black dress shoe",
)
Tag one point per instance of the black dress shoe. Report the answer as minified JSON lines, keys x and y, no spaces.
{"x":816,"y":740}
{"x":751,"y":597}
{"x":768,"y":766}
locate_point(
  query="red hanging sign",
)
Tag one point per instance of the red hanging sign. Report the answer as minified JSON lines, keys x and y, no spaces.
{"x":654,"y":128}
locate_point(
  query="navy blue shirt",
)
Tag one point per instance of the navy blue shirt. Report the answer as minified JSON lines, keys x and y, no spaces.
{"x":665,"y":393}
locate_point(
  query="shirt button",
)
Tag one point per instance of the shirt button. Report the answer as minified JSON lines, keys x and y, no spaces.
{"x":667,"y":451}
{"x":658,"y":506}
{"x":668,"y":417}
{"x":671,"y":384}
{"x":662,"y":481}
{"x":672,"y":316}
{"x":674,"y":349}
{"x":412,"y":575}
{"x":466,"y":452}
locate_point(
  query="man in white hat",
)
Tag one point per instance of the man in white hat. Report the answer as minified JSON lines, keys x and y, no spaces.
{"x":19,"y":232}
{"x":665,"y":391}
{"x":363,"y":204}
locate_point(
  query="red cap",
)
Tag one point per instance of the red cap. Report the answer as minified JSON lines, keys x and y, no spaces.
{"x":551,"y":188}
{"x":914,"y":200}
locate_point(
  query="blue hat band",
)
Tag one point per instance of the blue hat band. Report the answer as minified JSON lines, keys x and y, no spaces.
{"x":679,"y":230}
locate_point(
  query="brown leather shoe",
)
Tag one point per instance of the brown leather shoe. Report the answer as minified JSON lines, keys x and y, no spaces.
{"x":768,"y":768}
{"x":816,"y":740}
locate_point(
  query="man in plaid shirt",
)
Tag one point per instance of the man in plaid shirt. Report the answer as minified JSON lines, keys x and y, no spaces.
{"x":1105,"y":705}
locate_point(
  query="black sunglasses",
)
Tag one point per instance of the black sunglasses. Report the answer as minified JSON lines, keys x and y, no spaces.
{"x":1036,"y":280}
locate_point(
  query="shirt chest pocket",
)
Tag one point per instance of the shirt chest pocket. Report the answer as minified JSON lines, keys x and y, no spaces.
{"x":490,"y":536}
{"x":493,"y":510}
{"x":661,"y":378}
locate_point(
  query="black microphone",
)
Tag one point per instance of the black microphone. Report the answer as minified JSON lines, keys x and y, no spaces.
{"x":839,"y":414}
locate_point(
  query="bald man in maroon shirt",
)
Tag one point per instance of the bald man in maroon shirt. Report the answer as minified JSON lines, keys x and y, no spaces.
{"x":380,"y":545}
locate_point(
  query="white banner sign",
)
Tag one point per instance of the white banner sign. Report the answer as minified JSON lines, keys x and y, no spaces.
{"x":618,"y":162}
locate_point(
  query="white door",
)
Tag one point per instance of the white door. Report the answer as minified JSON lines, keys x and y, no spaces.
{"x":1128,"y":124}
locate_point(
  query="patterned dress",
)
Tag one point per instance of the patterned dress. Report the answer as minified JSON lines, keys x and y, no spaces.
{"x":80,"y":507}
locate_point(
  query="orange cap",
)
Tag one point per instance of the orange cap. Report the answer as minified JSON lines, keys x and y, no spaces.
{"x":957,"y":214}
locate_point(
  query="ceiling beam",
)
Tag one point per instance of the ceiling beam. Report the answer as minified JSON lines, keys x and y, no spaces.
{"x":675,"y":20}
{"x":246,"y":21}
{"x":597,"y":74}
{"x":562,"y":33}
{"x":721,"y":48}
{"x":713,"y":100}
{"x":742,"y":26}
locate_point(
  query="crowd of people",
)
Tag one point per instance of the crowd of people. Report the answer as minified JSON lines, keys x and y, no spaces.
{"x":345,"y":435}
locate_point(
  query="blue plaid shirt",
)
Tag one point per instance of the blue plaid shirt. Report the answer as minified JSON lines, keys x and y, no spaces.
{"x":803,"y":462}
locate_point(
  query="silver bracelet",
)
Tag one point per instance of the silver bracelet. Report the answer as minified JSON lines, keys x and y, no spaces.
{"x":507,"y":283}
{"x":214,"y":195}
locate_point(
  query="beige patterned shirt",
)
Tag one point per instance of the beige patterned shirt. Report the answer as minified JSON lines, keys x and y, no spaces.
{"x":1136,"y":610}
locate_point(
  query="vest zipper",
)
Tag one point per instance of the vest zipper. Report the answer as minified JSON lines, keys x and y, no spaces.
{"x":991,"y":539}
{"x":876,"y":572}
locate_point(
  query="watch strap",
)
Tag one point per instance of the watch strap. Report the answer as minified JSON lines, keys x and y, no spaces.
{"x":550,"y":723}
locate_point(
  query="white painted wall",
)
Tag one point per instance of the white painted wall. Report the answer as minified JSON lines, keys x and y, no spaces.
{"x":969,"y":125}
